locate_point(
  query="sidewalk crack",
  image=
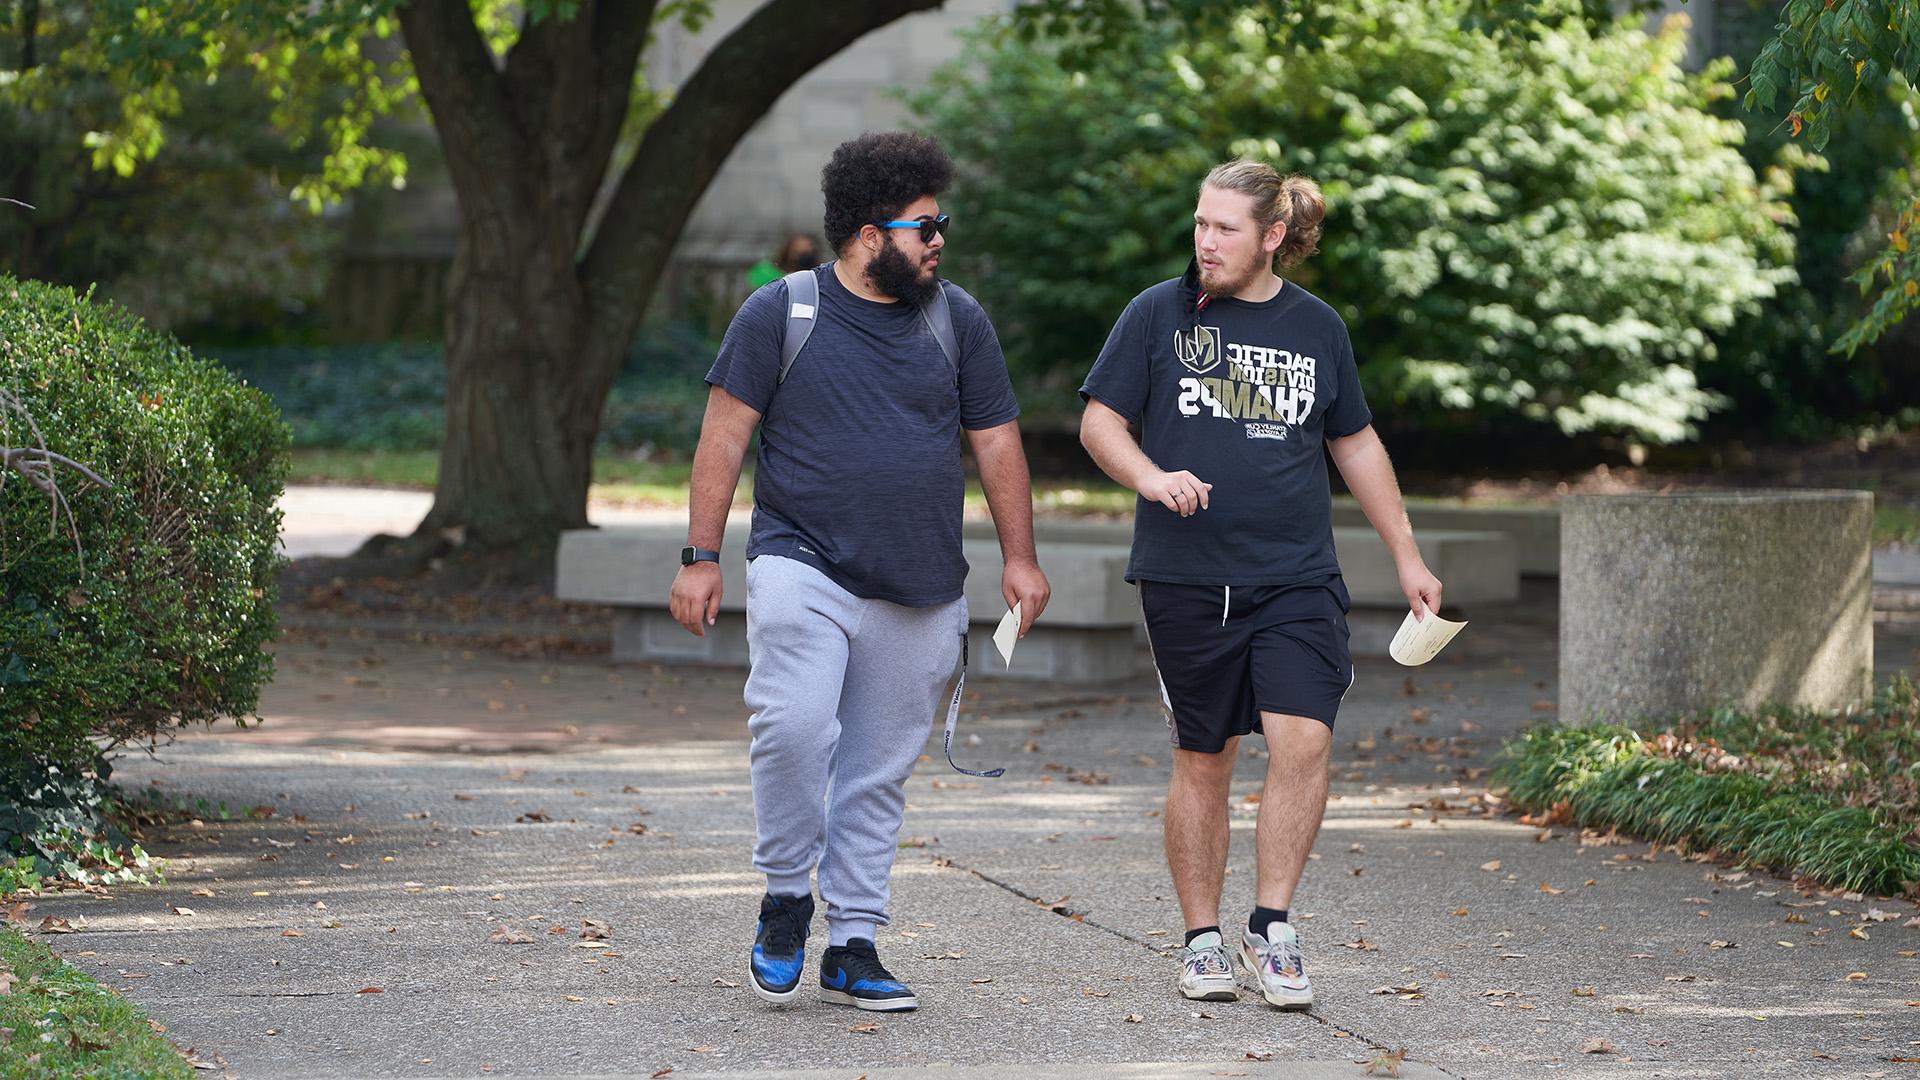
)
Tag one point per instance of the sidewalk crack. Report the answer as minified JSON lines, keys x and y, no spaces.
{"x":1316,"y":1015}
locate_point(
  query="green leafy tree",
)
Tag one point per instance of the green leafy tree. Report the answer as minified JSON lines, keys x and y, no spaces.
{"x":1828,"y":58}
{"x":203,"y":227}
{"x":1536,"y":217}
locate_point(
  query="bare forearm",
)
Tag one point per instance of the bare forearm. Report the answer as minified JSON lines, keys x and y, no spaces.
{"x":1113,"y":448}
{"x":1003,"y":476}
{"x":1369,"y":475}
{"x":716,"y":473}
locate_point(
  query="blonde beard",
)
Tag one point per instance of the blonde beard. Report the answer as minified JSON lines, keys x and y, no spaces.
{"x":1215,"y":285}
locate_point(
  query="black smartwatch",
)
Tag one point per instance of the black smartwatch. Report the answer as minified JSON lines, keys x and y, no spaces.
{"x":691,"y":555}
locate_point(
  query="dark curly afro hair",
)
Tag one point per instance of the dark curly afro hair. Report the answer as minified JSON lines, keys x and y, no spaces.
{"x":874,"y":177}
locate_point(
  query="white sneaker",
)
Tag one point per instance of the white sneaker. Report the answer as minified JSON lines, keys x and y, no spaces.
{"x":1276,"y":962}
{"x":1206,"y":971}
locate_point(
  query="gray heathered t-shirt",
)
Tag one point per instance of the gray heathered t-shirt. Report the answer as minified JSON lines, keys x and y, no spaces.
{"x":1242,"y":395}
{"x":859,"y":469}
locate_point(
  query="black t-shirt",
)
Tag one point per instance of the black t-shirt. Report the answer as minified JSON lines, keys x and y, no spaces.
{"x":859,"y":469}
{"x":1242,"y":395}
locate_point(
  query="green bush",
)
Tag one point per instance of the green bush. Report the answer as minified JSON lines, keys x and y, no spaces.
{"x":1543,"y":221}
{"x":150,"y":608}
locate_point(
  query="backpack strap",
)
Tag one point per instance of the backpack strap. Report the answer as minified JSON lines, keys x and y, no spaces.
{"x":939,"y":319}
{"x":803,"y":307}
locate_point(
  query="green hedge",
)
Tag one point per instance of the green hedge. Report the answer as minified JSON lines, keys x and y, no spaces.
{"x":1834,"y":797}
{"x":151,"y":608}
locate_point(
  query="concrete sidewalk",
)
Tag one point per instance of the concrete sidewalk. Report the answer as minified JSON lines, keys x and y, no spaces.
{"x":357,"y":932}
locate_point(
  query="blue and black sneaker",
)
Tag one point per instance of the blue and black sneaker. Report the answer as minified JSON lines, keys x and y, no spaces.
{"x":779,"y":946}
{"x":851,"y":974}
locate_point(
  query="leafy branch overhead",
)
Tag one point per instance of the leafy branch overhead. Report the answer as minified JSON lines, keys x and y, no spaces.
{"x":1828,"y":57}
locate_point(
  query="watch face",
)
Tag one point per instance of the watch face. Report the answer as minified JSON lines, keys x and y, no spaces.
{"x":686,"y":556}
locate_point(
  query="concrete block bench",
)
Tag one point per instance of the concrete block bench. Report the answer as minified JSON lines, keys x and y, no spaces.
{"x":1535,"y":530}
{"x":1089,"y":631}
{"x":1086,"y":634}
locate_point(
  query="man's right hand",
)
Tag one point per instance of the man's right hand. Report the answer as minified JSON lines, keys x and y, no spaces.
{"x":1181,"y":492}
{"x":695,"y":598}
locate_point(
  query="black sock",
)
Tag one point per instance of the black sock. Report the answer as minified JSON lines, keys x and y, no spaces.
{"x":1263,"y":916}
{"x":1191,"y":934}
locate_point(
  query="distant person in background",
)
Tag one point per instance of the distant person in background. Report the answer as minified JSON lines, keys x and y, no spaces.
{"x":798,"y":253}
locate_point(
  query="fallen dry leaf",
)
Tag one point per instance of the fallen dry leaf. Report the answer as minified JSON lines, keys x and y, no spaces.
{"x":55,"y":925}
{"x":1459,"y":912}
{"x":1596,"y":1046}
{"x":507,"y":935}
{"x":595,"y":930}
{"x":1583,"y":991}
{"x":371,"y":990}
{"x":1490,"y":866}
{"x":293,"y":933}
{"x":864,"y":1029}
{"x":1134,"y":1018}
{"x":1550,"y":890}
{"x":183,"y":911}
{"x":725,"y":984}
{"x":1385,"y":1064}
{"x":657,"y":1073}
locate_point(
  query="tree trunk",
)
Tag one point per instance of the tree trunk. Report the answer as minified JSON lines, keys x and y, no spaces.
{"x":523,"y":412}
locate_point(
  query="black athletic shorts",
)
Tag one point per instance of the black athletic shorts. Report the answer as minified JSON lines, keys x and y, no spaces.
{"x":1226,"y":653}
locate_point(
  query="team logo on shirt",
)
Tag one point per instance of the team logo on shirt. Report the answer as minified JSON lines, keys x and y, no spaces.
{"x":1198,"y":350}
{"x":1268,"y":391}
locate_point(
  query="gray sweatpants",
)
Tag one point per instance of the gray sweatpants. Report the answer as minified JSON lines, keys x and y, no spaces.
{"x":843,"y":692}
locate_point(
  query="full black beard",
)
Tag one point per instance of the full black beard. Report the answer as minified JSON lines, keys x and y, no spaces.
{"x":895,"y":275}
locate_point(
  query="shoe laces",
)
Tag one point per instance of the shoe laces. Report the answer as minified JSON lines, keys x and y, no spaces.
{"x":1284,"y":958}
{"x":862,"y":963}
{"x":1211,"y":961}
{"x":786,"y":923}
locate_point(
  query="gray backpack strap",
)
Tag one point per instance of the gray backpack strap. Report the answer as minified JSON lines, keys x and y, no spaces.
{"x":803,"y":309}
{"x":940,"y":320}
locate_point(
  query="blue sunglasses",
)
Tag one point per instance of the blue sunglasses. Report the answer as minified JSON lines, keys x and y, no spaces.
{"x":929,"y":227}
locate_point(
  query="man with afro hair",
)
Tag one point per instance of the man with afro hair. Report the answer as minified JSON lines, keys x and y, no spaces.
{"x":855,"y":578}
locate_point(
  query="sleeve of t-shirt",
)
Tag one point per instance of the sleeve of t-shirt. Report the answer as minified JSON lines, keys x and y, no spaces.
{"x":748,"y":366}
{"x":1119,"y":376}
{"x":986,"y":390}
{"x":1349,"y":412}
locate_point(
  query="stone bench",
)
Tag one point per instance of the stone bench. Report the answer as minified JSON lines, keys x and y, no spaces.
{"x":1535,"y":530}
{"x":1088,"y":633}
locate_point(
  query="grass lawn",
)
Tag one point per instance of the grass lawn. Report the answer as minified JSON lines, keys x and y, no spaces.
{"x":55,"y":1021}
{"x":622,"y":480}
{"x":1833,"y":797}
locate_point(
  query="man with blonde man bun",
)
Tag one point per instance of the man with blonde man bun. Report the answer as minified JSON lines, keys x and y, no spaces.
{"x":1233,"y":378}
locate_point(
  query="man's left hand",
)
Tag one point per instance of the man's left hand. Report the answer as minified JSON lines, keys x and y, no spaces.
{"x":1421,"y":587}
{"x":1022,"y":583}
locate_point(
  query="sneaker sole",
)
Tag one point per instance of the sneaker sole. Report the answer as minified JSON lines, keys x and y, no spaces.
{"x":1223,"y":994}
{"x":841,"y":997}
{"x":1287,"y":1000}
{"x":776,"y":996}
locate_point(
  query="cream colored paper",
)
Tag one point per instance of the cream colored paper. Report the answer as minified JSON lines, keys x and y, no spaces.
{"x":1007,"y":634}
{"x":1418,"y":641}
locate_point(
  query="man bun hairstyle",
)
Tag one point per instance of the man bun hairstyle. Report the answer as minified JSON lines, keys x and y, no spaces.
{"x":1293,"y":199}
{"x":874,"y":177}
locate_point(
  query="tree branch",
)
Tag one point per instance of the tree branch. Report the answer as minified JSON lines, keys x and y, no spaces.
{"x":468,"y":99}
{"x":684,"y":148}
{"x":570,"y":83}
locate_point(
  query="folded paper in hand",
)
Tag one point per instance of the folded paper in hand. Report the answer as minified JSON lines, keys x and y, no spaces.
{"x":1420,"y":640}
{"x":1007,"y":634}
